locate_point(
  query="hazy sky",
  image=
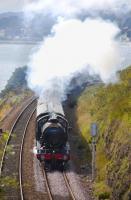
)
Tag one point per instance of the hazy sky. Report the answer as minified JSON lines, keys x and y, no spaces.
{"x":16,"y":5}
{"x":12,"y":5}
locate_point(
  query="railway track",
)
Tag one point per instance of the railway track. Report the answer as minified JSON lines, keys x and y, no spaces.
{"x":20,"y":161}
{"x":69,"y":186}
{"x":10,"y":165}
{"x":50,"y":194}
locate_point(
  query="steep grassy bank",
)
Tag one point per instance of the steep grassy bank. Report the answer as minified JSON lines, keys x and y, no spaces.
{"x":110,"y":107}
{"x":12,"y":100}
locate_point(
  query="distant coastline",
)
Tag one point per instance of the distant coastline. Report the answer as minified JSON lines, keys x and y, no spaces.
{"x":20,"y":42}
{"x":31,"y":42}
{"x":14,"y":54}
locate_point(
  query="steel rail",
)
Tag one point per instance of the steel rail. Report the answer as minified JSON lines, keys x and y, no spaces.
{"x":68,"y":186}
{"x":20,"y":155}
{"x":47,"y":184}
{"x":10,"y":133}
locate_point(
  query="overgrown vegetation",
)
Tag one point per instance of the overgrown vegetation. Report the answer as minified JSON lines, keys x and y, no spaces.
{"x":17,"y":82}
{"x":14,"y":93}
{"x":110,"y":107}
{"x":15,"y":90}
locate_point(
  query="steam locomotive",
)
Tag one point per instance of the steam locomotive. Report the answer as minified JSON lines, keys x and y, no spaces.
{"x":52,"y":146}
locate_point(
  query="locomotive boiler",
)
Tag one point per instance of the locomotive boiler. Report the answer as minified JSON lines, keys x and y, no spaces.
{"x":52,"y":134}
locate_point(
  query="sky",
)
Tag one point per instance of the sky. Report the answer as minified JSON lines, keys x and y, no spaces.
{"x":13,"y":5}
{"x":17,"y":5}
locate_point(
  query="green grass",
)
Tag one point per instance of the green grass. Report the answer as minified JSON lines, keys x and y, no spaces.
{"x":12,"y":100}
{"x":110,"y":107}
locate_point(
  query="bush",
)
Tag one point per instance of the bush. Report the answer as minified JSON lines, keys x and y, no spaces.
{"x":17,"y":82}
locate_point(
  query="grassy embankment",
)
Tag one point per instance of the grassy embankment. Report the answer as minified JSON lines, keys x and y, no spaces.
{"x":110,"y":107}
{"x":12,"y":96}
{"x":15,"y":91}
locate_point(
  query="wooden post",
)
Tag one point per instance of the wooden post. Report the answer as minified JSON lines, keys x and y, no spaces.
{"x":93,"y":158}
{"x":94,"y":132}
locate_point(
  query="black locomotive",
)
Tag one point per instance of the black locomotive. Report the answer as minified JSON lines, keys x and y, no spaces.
{"x":52,"y":135}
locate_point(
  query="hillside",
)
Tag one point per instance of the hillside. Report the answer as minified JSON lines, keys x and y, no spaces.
{"x":110,"y":107}
{"x":14,"y":27}
{"x":15,"y":92}
{"x":12,"y":99}
{"x":17,"y":82}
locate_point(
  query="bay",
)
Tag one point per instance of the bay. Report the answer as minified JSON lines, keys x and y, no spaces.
{"x":13,"y":56}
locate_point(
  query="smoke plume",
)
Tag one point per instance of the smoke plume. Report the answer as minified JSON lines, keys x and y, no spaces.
{"x":74,"y":45}
{"x":71,"y":8}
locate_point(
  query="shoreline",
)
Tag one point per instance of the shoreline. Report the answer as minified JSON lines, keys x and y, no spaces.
{"x":12,"y":42}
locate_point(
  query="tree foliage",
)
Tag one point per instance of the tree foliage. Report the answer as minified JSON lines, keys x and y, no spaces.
{"x":17,"y":82}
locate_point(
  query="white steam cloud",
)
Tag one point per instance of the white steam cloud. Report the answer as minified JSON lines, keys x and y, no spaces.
{"x":72,"y":46}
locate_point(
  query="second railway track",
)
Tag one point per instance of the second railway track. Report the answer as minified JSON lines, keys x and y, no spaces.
{"x":9,"y":167}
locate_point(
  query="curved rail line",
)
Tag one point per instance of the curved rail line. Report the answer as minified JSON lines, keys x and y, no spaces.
{"x":20,"y":157}
{"x":27,"y":109}
{"x":11,"y":131}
